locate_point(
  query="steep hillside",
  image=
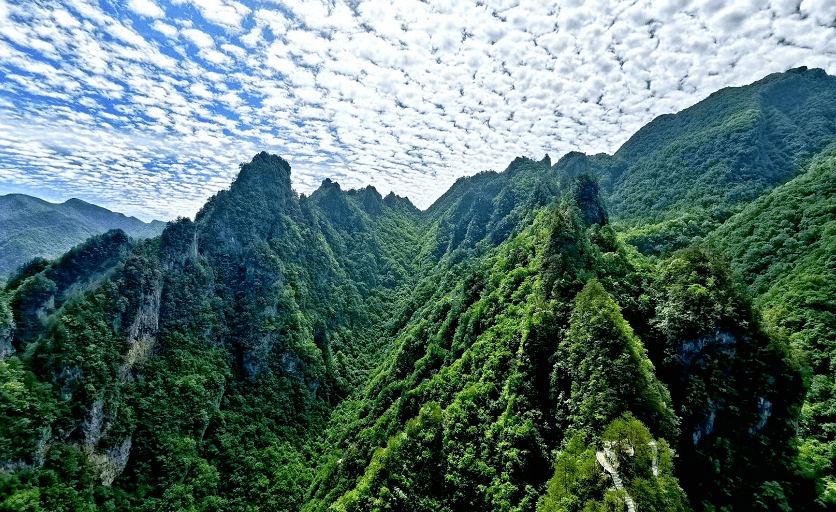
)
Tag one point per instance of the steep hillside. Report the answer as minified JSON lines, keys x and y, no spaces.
{"x":784,"y":248}
{"x":222,"y":343}
{"x":684,"y":174}
{"x":517,"y":353}
{"x":31,"y":227}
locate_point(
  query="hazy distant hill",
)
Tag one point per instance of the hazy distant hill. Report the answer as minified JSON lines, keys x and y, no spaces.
{"x":31,"y":227}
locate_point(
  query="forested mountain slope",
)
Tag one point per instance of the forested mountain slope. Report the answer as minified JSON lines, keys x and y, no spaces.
{"x":217,"y":343}
{"x":684,"y":174}
{"x":783,"y":246}
{"x":506,"y":349}
{"x":31,"y":227}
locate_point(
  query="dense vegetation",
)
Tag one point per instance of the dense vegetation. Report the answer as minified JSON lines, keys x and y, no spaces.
{"x":31,"y":227}
{"x":784,"y":248}
{"x":541,"y":339}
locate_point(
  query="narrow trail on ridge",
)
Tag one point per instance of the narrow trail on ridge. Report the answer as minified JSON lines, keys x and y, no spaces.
{"x":609,"y":461}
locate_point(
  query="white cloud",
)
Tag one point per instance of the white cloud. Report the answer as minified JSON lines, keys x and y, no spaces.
{"x":146,"y":8}
{"x":200,"y":39}
{"x":404,"y":95}
{"x":226,"y":13}
{"x":165,"y":29}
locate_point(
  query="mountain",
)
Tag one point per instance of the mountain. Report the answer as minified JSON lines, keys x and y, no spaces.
{"x":783,"y":246}
{"x":648,"y":330}
{"x":684,"y":174}
{"x":31,"y":227}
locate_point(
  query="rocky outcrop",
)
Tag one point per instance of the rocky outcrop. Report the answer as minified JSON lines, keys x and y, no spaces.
{"x":609,"y":461}
{"x":7,"y":329}
{"x":141,"y":335}
{"x":587,"y":198}
{"x":107,"y":464}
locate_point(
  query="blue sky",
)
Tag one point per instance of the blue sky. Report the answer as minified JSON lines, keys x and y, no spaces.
{"x":147,"y":106}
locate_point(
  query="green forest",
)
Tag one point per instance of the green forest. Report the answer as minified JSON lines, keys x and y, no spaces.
{"x":651,"y":330}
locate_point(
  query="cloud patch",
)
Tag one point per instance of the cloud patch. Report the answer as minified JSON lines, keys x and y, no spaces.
{"x":146,"y":8}
{"x":148,"y":106}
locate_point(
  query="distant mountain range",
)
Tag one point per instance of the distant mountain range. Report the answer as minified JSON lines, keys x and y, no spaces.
{"x":31,"y":227}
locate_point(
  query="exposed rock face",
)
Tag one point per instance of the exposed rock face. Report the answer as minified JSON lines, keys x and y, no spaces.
{"x":107,"y":464}
{"x":608,"y":459}
{"x":7,"y":329}
{"x":586,"y":194}
{"x":707,"y":426}
{"x":764,"y":412}
{"x":708,"y":345}
{"x":6,"y":348}
{"x":371,"y":200}
{"x":141,"y":335}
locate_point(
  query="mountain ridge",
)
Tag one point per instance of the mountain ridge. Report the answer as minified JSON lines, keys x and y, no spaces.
{"x":32,"y":227}
{"x":343,"y":351}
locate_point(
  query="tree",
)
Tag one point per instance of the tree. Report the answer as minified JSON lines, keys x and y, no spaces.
{"x":603,"y":371}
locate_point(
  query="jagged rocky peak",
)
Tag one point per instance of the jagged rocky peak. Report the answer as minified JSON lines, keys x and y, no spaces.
{"x":370,"y":200}
{"x":328,"y":190}
{"x":587,"y":197}
{"x":266,"y":172}
{"x":393,"y":200}
{"x":328,"y":184}
{"x":332,"y":201}
{"x":573,"y":163}
{"x":518,"y":163}
{"x":249,"y":210}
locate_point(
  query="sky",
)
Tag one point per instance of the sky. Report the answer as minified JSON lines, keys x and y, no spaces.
{"x":148,"y":107}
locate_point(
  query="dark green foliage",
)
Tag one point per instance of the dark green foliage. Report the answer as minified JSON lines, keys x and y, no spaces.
{"x":490,"y":206}
{"x":88,"y":261}
{"x":722,"y":152}
{"x":784,"y":247}
{"x":403,"y":475}
{"x":49,"y":284}
{"x":30,"y":303}
{"x":585,"y":193}
{"x":28,"y":269}
{"x":736,"y":392}
{"x":188,"y":371}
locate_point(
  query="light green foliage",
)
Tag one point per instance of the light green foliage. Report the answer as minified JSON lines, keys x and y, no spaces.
{"x":644,"y":466}
{"x":401,"y":475}
{"x":26,"y":411}
{"x":713,"y":158}
{"x":608,"y":367}
{"x":577,"y":477}
{"x":481,"y":348}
